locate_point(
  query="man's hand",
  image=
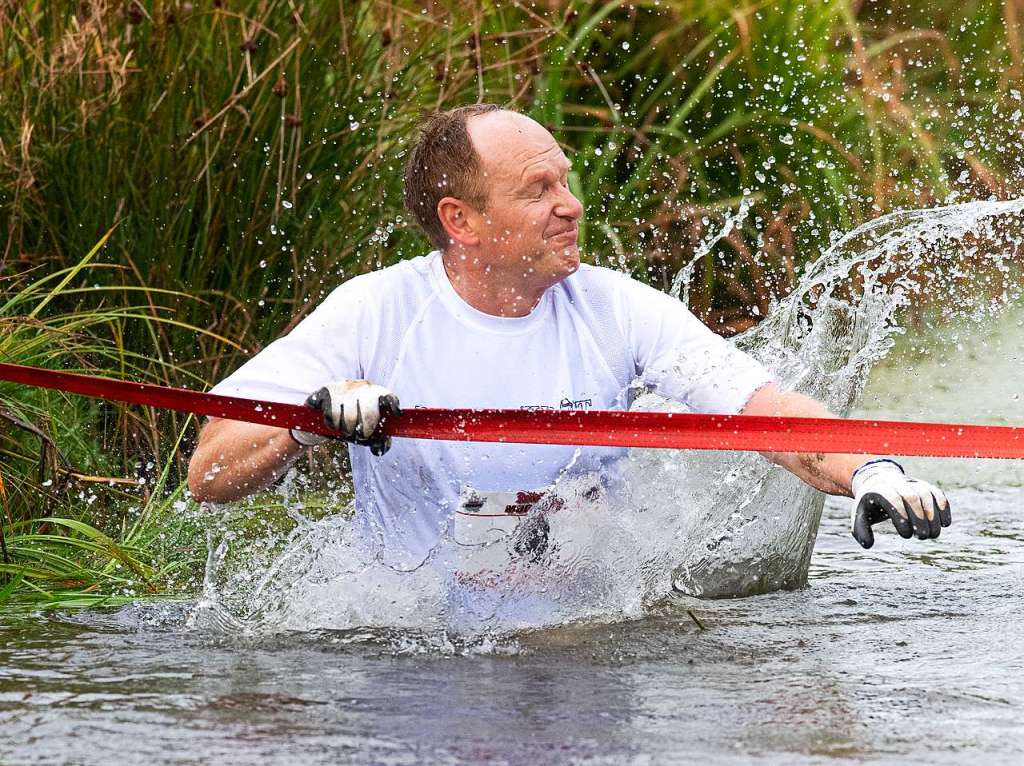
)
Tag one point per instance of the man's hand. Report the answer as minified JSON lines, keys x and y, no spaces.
{"x":883,"y":491}
{"x":355,"y":409}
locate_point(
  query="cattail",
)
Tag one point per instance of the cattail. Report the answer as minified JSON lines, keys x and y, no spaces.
{"x":440,"y":70}
{"x":280,"y":88}
{"x":248,"y":45}
{"x":385,"y":37}
{"x":133,"y":13}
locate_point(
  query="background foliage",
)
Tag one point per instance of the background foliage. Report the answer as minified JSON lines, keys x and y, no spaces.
{"x":247,"y":153}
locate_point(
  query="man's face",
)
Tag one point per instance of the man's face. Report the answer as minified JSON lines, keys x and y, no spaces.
{"x":530,"y":220}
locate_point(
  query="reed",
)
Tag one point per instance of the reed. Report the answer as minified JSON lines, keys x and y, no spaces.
{"x":78,"y":489}
{"x":250,"y":151}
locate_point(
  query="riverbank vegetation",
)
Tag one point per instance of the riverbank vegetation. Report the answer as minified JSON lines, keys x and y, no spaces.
{"x":237,"y":159}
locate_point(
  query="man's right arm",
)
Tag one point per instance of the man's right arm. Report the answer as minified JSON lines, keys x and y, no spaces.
{"x":235,"y":459}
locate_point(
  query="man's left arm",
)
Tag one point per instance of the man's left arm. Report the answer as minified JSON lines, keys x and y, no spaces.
{"x":681,"y":359}
{"x":879,"y":486}
{"x":831,"y":473}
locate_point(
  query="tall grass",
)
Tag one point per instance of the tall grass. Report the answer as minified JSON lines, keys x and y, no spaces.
{"x":248,"y":154}
{"x":825,"y":117}
{"x":78,"y":489}
{"x":251,"y":151}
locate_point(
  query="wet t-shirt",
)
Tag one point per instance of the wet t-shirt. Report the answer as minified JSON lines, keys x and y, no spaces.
{"x":591,"y":336}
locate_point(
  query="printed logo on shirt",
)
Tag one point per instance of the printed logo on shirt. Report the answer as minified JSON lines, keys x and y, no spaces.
{"x":575,"y":404}
{"x":523,"y":503}
{"x":565,"y":404}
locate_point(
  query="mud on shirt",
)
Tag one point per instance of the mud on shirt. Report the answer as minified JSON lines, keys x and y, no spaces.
{"x":405,"y":327}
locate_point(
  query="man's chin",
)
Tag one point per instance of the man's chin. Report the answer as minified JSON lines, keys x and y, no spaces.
{"x":570,"y":259}
{"x":559,"y":263}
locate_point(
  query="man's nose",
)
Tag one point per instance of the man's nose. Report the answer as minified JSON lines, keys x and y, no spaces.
{"x":568,"y":206}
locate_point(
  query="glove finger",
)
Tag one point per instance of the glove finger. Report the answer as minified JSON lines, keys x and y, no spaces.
{"x":369,"y":416}
{"x":918,"y":517}
{"x":899,"y":514}
{"x":931,"y":514}
{"x":350,"y":417}
{"x":332,"y":407}
{"x":388,"y":405}
{"x":379,"y":446}
{"x":356,"y":431}
{"x":935,"y":525}
{"x":873,"y":508}
{"x":316,"y":399}
{"x":861,"y":526}
{"x":322,"y":400}
{"x":924,"y":497}
{"x":942,"y":507}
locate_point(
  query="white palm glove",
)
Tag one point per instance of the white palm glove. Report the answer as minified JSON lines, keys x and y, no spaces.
{"x":881,"y":490}
{"x":356,"y":410}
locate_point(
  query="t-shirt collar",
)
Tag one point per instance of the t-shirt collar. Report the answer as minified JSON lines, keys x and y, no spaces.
{"x":479,"y":319}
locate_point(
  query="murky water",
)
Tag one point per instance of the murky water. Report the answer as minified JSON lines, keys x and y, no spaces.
{"x":912,"y":650}
{"x":907,"y":650}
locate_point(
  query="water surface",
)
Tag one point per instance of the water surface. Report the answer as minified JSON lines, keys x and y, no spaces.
{"x":909,"y":650}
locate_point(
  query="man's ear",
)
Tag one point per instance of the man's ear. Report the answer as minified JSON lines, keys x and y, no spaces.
{"x":458,"y":220}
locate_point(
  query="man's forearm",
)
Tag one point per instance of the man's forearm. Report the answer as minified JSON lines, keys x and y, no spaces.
{"x":830,"y":473}
{"x":233,"y":459}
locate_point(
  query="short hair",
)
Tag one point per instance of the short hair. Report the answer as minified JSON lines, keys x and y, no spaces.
{"x":443,"y":163}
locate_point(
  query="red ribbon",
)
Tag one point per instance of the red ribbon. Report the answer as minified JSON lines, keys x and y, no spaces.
{"x":594,"y":428}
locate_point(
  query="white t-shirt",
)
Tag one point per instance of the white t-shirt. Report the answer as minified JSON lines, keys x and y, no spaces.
{"x":405,"y":327}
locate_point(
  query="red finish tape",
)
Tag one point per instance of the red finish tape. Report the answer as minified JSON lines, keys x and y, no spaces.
{"x":594,"y":428}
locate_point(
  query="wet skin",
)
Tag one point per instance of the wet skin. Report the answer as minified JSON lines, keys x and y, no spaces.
{"x":522,"y":241}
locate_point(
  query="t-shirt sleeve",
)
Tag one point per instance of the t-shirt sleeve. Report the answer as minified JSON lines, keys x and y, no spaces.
{"x":680,"y":358}
{"x":324,"y":347}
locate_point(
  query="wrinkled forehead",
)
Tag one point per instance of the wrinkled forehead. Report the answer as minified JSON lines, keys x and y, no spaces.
{"x":512,"y":146}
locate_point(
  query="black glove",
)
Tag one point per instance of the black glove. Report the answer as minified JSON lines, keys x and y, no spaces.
{"x":357,"y":410}
{"x":883,"y":491}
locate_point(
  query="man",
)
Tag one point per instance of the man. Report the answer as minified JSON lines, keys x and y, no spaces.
{"x":502,"y":314}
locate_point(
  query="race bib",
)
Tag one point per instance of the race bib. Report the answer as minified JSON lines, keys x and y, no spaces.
{"x":496,"y":530}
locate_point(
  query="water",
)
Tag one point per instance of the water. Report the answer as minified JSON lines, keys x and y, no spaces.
{"x":909,"y":651}
{"x":706,"y":524}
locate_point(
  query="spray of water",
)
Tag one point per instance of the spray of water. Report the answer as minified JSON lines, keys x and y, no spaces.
{"x":706,"y":524}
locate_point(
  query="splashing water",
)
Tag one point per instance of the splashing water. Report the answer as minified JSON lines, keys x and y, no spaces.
{"x":706,"y":524}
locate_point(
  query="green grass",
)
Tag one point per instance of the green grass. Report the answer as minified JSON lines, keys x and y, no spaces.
{"x":77,"y":515}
